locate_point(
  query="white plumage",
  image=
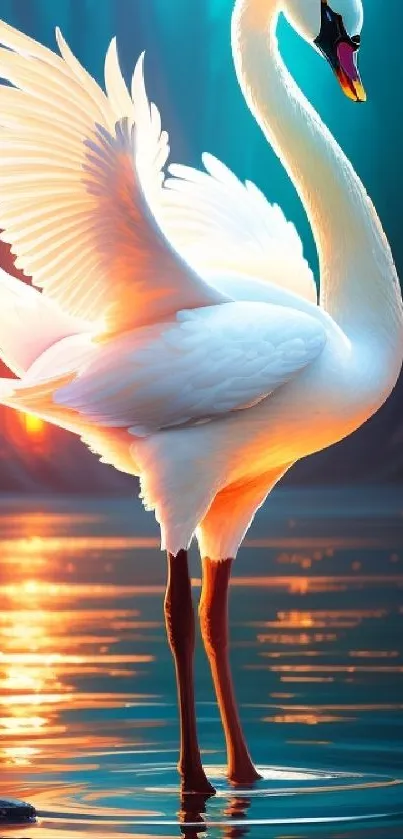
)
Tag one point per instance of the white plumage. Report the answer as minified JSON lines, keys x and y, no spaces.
{"x":225,"y":227}
{"x":73,"y":203}
{"x":206,"y":363}
{"x":30,"y":324}
{"x":178,"y":331}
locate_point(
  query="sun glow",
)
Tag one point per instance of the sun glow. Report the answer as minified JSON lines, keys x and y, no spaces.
{"x":33,"y":425}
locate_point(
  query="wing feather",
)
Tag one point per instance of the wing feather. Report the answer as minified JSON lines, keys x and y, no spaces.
{"x":224,"y":227}
{"x":79,"y":168}
{"x":117,"y":92}
{"x":208,"y":363}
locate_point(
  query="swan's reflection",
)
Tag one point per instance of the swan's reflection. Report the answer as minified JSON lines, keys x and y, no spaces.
{"x":192,"y":816}
{"x":237,"y":809}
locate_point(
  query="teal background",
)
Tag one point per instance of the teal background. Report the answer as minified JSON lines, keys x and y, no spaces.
{"x":189,"y":73}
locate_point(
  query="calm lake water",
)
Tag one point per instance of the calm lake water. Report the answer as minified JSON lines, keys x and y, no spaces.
{"x":88,"y":719}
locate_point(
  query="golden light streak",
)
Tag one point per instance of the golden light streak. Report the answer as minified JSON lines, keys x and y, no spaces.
{"x":48,"y":644}
{"x":19,"y":755}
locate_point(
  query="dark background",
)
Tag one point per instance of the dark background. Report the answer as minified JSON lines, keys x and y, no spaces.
{"x":189,"y":73}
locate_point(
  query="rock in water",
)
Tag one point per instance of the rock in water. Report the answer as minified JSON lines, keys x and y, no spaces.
{"x":16,"y":812}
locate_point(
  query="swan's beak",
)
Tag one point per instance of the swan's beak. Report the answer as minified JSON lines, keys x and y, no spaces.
{"x":346,"y":69}
{"x":341,"y":52}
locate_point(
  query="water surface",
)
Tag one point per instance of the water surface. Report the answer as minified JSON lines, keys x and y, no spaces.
{"x":88,"y":718}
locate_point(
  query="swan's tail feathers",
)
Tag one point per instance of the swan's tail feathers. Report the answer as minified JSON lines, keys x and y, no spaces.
{"x":114,"y":446}
{"x":37,"y":398}
{"x":29,"y":324}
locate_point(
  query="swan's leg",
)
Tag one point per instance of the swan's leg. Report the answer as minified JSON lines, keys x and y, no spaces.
{"x":179,"y":618}
{"x":220,"y":535}
{"x":213,"y":611}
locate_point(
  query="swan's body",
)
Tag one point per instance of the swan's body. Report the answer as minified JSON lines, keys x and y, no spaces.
{"x":142,"y":349}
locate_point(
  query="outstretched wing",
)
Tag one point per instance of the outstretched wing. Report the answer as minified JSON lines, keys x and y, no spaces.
{"x":225,"y":227}
{"x":78,"y":168}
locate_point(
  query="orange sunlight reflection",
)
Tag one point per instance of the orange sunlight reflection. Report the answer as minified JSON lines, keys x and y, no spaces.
{"x":49,"y":644}
{"x":82,"y":639}
{"x":23,"y":688}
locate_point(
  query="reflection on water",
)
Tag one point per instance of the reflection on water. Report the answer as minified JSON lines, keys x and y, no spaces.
{"x":88,"y":722}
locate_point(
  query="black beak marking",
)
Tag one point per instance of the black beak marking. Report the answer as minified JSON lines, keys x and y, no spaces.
{"x":332,"y":35}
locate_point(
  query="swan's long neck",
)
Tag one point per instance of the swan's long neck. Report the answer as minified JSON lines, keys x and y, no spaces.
{"x":359,"y":285}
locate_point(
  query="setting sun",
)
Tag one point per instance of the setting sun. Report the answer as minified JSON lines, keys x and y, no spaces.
{"x":33,"y":425}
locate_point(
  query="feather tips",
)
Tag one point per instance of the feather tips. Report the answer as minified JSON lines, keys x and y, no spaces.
{"x":65,"y":143}
{"x":223,"y":226}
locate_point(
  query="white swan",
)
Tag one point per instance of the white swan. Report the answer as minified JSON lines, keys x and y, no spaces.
{"x":211,"y":372}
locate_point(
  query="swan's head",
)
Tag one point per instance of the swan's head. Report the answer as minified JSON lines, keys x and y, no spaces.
{"x":334,"y":28}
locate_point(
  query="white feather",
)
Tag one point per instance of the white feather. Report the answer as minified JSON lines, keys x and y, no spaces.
{"x":224,"y":227}
{"x":220,"y":359}
{"x":65,"y":144}
{"x":30,"y":324}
